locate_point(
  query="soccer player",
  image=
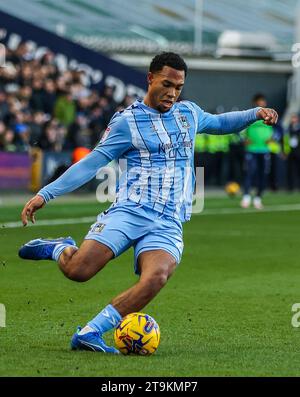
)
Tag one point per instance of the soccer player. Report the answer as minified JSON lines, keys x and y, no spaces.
{"x":156,"y":137}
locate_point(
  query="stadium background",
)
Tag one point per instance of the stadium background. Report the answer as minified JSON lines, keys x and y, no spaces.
{"x":67,"y":67}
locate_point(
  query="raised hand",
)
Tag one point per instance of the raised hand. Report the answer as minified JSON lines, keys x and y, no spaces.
{"x":269,"y":116}
{"x":30,"y":208}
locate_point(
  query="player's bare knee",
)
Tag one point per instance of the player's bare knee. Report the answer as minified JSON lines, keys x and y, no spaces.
{"x":76,"y":270}
{"x":82,"y":269}
{"x":76,"y":274}
{"x":156,"y":281}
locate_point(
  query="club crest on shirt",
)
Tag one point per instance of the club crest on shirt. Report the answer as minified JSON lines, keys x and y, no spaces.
{"x":184,"y":121}
{"x":154,"y":128}
{"x":97,"y":227}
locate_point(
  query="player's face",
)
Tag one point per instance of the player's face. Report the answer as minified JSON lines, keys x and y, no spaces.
{"x":164,"y":88}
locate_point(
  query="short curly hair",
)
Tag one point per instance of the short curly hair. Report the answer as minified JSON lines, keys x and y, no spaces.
{"x":167,"y":59}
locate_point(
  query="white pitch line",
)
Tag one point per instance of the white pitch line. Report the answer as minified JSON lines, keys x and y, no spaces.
{"x":50,"y":222}
{"x":221,"y":211}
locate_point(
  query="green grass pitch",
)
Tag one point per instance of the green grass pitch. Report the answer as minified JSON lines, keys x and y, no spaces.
{"x":226,"y":311}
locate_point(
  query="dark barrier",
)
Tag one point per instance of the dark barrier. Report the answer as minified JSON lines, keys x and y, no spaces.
{"x":99,"y":69}
{"x":37,"y":169}
{"x":54,"y":164}
{"x":14,"y":170}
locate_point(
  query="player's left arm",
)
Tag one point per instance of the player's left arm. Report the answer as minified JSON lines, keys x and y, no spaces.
{"x":227,"y":123}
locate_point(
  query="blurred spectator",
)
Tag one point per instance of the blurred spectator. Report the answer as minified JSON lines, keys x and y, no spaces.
{"x":79,"y":134}
{"x":22,"y":137}
{"x":4,"y":109}
{"x":36,"y":127}
{"x":26,"y":75}
{"x":49,"y":96}
{"x":48,"y":59}
{"x":257,"y":158}
{"x":53,"y":136}
{"x":9,"y":141}
{"x":65,"y":109}
{"x":274,"y":144}
{"x":293,"y":160}
{"x":2,"y":134}
{"x":19,"y":124}
{"x":97,"y":123}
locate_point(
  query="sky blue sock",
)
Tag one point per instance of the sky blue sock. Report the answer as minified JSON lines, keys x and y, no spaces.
{"x":59,"y":249}
{"x":106,"y":320}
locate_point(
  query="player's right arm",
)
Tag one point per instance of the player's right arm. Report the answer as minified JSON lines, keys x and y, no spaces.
{"x":115,"y":142}
{"x":75,"y":176}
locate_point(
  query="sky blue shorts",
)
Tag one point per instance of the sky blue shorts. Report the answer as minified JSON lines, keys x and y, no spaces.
{"x":128,"y":224}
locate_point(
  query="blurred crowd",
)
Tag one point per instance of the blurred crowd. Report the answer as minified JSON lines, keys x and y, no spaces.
{"x":40,"y":106}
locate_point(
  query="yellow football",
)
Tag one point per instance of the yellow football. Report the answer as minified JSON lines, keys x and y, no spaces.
{"x":137,"y":333}
{"x":232,"y":188}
